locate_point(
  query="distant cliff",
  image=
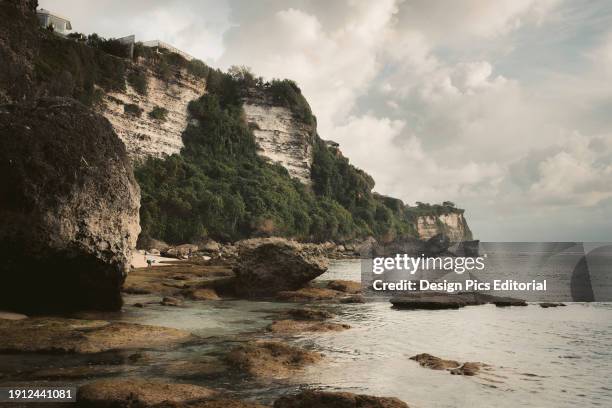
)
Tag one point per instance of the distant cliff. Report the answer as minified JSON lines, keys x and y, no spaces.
{"x":451,"y":224}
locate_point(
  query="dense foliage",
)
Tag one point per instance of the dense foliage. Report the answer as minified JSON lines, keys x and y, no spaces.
{"x":220,"y":187}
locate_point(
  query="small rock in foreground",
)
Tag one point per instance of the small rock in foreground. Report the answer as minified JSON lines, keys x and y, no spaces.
{"x":41,"y":334}
{"x":270,"y":358}
{"x":324,"y":399}
{"x":297,"y":326}
{"x":546,"y":305}
{"x":138,"y":392}
{"x":454,"y":367}
{"x":433,"y":362}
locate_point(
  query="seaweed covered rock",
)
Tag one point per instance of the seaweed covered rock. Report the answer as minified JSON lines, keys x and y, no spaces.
{"x":325,"y":399}
{"x":269,"y":266}
{"x":68,"y":208}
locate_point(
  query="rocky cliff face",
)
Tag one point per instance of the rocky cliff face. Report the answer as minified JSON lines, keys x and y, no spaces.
{"x":452,"y":225}
{"x":69,"y":208}
{"x":281,"y":137}
{"x":143,"y":135}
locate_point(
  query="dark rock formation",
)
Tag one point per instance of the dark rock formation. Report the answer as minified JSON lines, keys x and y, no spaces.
{"x":436,"y":245}
{"x":433,"y":362}
{"x":268,"y":266}
{"x":469,"y":368}
{"x":443,"y":300}
{"x":324,"y":399}
{"x":68,"y":208}
{"x":546,"y":305}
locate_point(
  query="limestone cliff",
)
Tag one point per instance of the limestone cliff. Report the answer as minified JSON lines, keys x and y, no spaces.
{"x":142,"y":134}
{"x":281,"y":137}
{"x":452,"y":224}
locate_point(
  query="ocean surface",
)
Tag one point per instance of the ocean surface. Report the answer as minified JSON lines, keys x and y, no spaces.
{"x":555,"y":357}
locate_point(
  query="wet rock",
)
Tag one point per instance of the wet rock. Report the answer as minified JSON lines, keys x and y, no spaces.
{"x":309,"y":294}
{"x":270,"y":359}
{"x":507,"y":301}
{"x":222,"y":403}
{"x":353,"y":299}
{"x":345,"y":286}
{"x":69,"y":208}
{"x":171,"y":301}
{"x":309,"y":314}
{"x":298,"y":326}
{"x":202,"y":294}
{"x":83,"y":336}
{"x":546,"y":305}
{"x":139,"y":393}
{"x":268,"y":266}
{"x":324,"y":399}
{"x":443,"y":300}
{"x":194,"y":368}
{"x":78,"y":372}
{"x":435,"y":363}
{"x":469,"y":369}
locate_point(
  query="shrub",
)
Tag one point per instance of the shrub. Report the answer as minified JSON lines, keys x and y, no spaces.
{"x":158,"y":113}
{"x":138,"y":80}
{"x":132,"y":109}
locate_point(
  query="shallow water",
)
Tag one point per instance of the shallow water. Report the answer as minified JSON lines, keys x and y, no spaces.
{"x":559,"y":357}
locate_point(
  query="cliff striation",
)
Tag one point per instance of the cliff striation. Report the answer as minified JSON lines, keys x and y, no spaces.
{"x":281,"y":137}
{"x":144,"y":135}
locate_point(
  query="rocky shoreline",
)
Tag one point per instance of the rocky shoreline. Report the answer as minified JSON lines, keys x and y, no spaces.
{"x":112,"y":352}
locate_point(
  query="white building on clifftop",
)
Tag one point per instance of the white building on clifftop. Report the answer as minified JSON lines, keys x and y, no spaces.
{"x":54,"y":21}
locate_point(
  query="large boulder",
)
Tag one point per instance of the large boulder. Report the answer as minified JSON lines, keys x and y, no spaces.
{"x":68,"y":208}
{"x":271,"y":265}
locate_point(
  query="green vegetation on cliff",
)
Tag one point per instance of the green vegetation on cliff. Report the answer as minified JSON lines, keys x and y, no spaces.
{"x":220,"y":187}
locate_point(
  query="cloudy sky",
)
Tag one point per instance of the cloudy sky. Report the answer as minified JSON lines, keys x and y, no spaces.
{"x":504,"y":107}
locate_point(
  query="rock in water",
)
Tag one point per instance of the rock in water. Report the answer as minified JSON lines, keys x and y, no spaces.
{"x":325,"y":399}
{"x":68,"y":208}
{"x":268,"y":266}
